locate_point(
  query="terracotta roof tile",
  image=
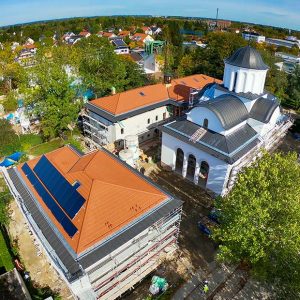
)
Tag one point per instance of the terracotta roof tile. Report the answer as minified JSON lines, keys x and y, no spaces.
{"x":133,"y":99}
{"x":115,"y":195}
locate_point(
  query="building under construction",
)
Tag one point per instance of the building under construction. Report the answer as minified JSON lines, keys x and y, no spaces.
{"x":103,"y":225}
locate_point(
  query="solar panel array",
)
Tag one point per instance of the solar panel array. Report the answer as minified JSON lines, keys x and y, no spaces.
{"x":64,"y":193}
{"x":57,"y":212}
{"x":119,"y":42}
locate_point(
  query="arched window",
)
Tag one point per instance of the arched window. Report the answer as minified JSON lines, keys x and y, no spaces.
{"x":179,"y":161}
{"x":191,"y":167}
{"x":203,"y":174}
{"x":235,"y":81}
{"x":205,"y":123}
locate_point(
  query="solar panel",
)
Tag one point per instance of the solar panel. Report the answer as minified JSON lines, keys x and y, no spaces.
{"x":57,"y":212}
{"x":119,"y":42}
{"x":64,"y":193}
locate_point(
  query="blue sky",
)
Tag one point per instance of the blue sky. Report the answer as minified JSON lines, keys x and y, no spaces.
{"x":282,"y":13}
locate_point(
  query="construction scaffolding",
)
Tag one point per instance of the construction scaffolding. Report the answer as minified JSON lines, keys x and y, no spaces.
{"x":121,"y":270}
{"x":270,"y":143}
{"x":94,"y":131}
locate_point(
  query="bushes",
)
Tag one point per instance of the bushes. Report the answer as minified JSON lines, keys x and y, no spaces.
{"x":5,"y":258}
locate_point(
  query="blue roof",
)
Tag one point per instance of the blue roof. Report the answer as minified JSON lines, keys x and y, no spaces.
{"x":15,"y":156}
{"x":7,"y":163}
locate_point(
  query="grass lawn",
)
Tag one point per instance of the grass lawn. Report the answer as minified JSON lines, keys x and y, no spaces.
{"x":5,"y":258}
{"x":46,"y":147}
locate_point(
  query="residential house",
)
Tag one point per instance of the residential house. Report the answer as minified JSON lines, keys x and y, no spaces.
{"x":228,"y":128}
{"x":140,"y":111}
{"x":67,"y":35}
{"x":105,"y":34}
{"x":103,"y":225}
{"x":124,"y":33}
{"x":142,"y":38}
{"x":120,"y":46}
{"x":85,"y":33}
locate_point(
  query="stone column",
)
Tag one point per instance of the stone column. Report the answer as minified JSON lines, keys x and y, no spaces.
{"x":184,"y":166}
{"x":197,"y":171}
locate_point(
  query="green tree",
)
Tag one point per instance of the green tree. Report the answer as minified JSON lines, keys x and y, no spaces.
{"x":260,"y":222}
{"x":99,"y":66}
{"x":9,"y":141}
{"x":11,"y":101}
{"x":293,"y":89}
{"x":53,"y":97}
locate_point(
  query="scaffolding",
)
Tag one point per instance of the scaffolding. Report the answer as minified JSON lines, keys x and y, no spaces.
{"x":94,"y":131}
{"x":270,"y":143}
{"x":126,"y":267}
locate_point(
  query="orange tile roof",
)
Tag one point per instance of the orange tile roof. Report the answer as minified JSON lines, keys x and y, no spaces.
{"x":115,"y":195}
{"x":29,"y":46}
{"x":141,"y":36}
{"x":133,"y":99}
{"x":124,"y":33}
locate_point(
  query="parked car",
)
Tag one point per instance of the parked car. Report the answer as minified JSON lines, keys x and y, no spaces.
{"x":205,"y":225}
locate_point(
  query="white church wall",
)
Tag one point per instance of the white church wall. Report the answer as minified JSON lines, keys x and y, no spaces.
{"x":241,"y":80}
{"x":261,"y":128}
{"x":198,"y":114}
{"x":218,"y":169}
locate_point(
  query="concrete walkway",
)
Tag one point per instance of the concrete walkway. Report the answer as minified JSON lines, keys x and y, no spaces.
{"x":193,"y":288}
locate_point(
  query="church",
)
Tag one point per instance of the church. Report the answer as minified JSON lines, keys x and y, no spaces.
{"x":227,"y":128}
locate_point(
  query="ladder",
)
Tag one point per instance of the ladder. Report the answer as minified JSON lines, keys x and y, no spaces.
{"x":197,"y":135}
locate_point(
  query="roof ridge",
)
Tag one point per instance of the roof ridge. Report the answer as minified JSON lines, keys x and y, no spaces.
{"x":83,"y":219}
{"x":118,"y":102}
{"x":126,"y":187}
{"x":91,"y":153}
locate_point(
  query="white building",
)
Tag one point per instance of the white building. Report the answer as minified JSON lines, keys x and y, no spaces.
{"x":139,"y":111}
{"x":103,"y":226}
{"x":228,"y":128}
{"x":120,"y":46}
{"x":253,"y":36}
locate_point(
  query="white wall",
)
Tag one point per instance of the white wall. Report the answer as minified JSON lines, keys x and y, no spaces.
{"x":261,"y":128}
{"x":218,"y":169}
{"x":139,"y":124}
{"x":248,"y":80}
{"x":198,"y":114}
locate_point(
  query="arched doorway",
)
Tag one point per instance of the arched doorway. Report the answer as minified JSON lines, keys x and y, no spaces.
{"x":179,"y":161}
{"x":203,"y":174}
{"x":191,"y":167}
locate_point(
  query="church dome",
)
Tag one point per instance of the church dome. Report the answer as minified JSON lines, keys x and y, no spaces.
{"x":248,"y":58}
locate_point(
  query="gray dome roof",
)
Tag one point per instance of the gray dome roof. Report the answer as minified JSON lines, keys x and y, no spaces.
{"x":263,"y":109}
{"x":248,"y":58}
{"x":229,"y":109}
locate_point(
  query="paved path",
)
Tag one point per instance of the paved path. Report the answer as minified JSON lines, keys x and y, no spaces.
{"x":193,"y":288}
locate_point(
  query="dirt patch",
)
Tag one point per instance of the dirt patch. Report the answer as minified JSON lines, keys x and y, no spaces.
{"x":33,"y":256}
{"x":195,"y":250}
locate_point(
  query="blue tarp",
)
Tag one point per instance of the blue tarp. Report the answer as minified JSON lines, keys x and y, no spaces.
{"x":7,"y":163}
{"x":15,"y":156}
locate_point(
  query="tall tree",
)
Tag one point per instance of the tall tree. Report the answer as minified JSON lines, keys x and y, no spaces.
{"x":293,"y":89}
{"x":260,"y":222}
{"x":53,"y":97}
{"x":9,"y":141}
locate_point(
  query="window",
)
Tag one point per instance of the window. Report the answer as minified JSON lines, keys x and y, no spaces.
{"x":164,"y":116}
{"x":156,"y":118}
{"x":205,"y":123}
{"x":148,"y":121}
{"x":122,"y":130}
